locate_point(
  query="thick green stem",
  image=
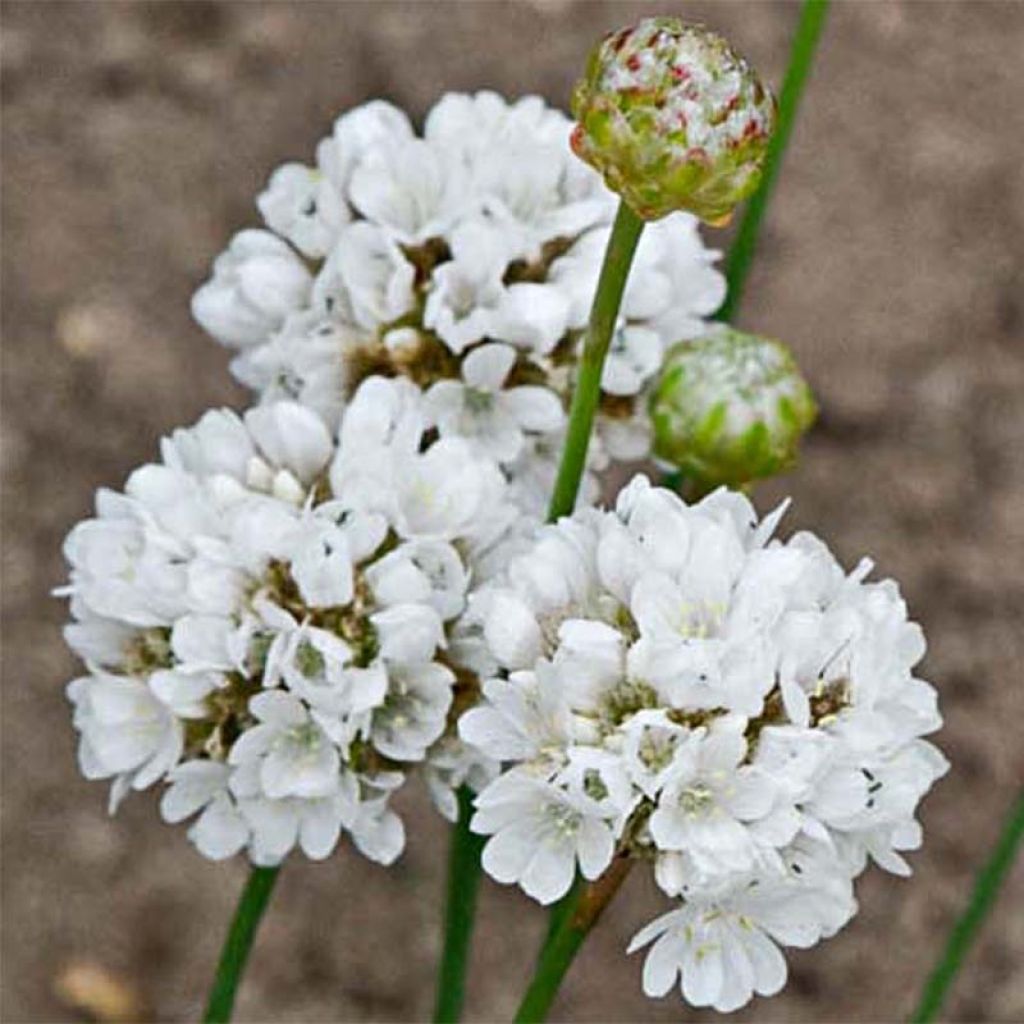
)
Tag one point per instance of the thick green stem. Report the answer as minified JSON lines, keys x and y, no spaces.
{"x":604,"y":312}
{"x":235,"y":953}
{"x":801,"y":58}
{"x":983,"y":897}
{"x":463,"y":883}
{"x":576,"y":916}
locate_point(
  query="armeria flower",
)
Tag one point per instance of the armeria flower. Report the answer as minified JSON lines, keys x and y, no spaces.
{"x":265,"y":614}
{"x":483,"y":409}
{"x":302,"y":205}
{"x":540,"y":831}
{"x":724,"y":949}
{"x":414,"y":256}
{"x":711,"y":804}
{"x":256,"y":284}
{"x":671,"y":683}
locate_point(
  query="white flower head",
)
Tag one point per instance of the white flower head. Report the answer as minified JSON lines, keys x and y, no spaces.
{"x":671,"y":683}
{"x":265,"y":616}
{"x":464,"y":259}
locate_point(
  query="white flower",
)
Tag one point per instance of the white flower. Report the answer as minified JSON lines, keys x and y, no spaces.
{"x":256,"y":283}
{"x":532,"y":316}
{"x":449,"y":491}
{"x":536,"y":191}
{"x":117,"y":574}
{"x":293,"y":754}
{"x":277,"y":826}
{"x":634,"y":356}
{"x":414,"y":712}
{"x":452,"y":764}
{"x":523,"y":719}
{"x":357,"y":133}
{"x":720,"y":959}
{"x":724,"y":950}
{"x":482,"y":409}
{"x":710,"y":801}
{"x":408,"y":187}
{"x":126,"y":730}
{"x":303,"y":206}
{"x":365,"y":281}
{"x":201,"y":786}
{"x":300,"y":363}
{"x":539,"y":832}
{"x":290,"y":437}
{"x":473,"y":125}
{"x":421,"y":570}
{"x":674,"y":285}
{"x":218,"y":443}
{"x":467,"y":290}
{"x":652,"y":742}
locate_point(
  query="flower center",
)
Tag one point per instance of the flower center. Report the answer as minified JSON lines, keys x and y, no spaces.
{"x":697,"y":800}
{"x":565,"y":820}
{"x":700,"y":620}
{"x":478,"y":401}
{"x":657,"y":749}
{"x":305,"y":738}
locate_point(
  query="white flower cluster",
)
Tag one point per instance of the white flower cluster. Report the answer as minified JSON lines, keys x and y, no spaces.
{"x":465,"y":260}
{"x":264,"y":615}
{"x":669,"y":683}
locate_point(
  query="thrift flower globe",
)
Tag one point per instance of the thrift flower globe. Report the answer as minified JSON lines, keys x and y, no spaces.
{"x":264,"y":617}
{"x":673,"y":119}
{"x":670,"y":683}
{"x":464,"y":259}
{"x":729,"y":408}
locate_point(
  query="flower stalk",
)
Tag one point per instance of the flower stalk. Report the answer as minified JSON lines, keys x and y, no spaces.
{"x":604,"y":312}
{"x":238,"y":944}
{"x":801,"y":59}
{"x":463,"y":883}
{"x":983,"y":899}
{"x":576,"y":916}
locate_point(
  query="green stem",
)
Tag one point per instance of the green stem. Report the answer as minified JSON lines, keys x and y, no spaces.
{"x":801,"y":58}
{"x":555,"y":959}
{"x":603,"y":313}
{"x":563,"y":909}
{"x":986,"y":888}
{"x":235,"y":953}
{"x":576,"y":916}
{"x":463,"y":882}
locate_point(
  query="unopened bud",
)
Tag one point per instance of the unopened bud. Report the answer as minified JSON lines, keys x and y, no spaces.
{"x":730,"y":408}
{"x":674,"y":119}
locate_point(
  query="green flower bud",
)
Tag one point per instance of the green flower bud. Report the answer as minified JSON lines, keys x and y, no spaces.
{"x":730,"y":408}
{"x":674,"y":119}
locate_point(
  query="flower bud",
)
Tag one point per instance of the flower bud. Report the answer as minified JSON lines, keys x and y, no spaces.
{"x":674,"y":119}
{"x":730,"y":408}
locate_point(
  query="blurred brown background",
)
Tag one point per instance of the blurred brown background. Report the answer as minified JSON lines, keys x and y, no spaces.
{"x":135,"y":137}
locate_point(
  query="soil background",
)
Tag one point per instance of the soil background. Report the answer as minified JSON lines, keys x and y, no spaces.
{"x":135,"y":137}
